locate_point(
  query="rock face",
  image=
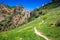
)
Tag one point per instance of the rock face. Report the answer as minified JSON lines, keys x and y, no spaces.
{"x":15,"y":19}
{"x":1,"y":18}
{"x":12,"y":17}
{"x":4,"y":9}
{"x":20,"y":17}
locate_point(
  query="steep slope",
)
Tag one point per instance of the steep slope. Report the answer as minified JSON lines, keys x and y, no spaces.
{"x":50,"y":27}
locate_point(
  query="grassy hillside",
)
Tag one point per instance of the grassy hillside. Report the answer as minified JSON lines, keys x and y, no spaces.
{"x":49,"y":27}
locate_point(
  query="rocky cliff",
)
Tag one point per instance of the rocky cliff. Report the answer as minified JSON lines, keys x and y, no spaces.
{"x":11,"y":18}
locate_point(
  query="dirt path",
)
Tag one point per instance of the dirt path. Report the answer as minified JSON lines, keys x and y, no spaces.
{"x":40,"y":34}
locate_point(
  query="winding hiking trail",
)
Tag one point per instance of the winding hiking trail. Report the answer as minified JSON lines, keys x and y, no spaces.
{"x":40,"y":34}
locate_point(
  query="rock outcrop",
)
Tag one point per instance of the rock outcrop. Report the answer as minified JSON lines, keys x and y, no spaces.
{"x":11,"y":18}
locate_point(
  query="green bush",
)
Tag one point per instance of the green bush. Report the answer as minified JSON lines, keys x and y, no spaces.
{"x":58,"y":23}
{"x":45,"y":17}
{"x":55,"y":23}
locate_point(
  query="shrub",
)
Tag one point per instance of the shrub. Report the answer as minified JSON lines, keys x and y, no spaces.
{"x":0,"y":28}
{"x":41,"y":13}
{"x":55,"y":23}
{"x":58,"y":23}
{"x":45,"y":17}
{"x":52,"y":24}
